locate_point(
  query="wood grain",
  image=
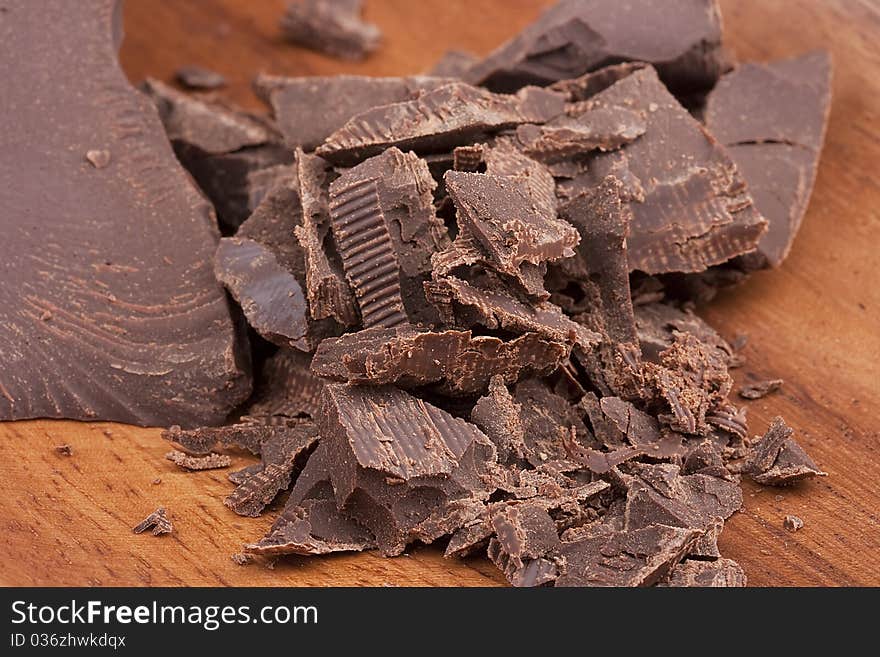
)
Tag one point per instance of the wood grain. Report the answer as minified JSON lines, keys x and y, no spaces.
{"x":67,"y":520}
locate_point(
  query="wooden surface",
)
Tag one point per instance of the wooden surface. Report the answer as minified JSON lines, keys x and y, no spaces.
{"x":66,"y":520}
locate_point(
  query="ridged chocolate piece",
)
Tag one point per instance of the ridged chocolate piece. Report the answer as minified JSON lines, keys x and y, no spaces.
{"x":404,"y":468}
{"x":641,"y":557}
{"x":524,"y":535}
{"x":682,"y":38}
{"x":328,"y":292}
{"x":467,"y":158}
{"x":690,"y":205}
{"x":329,"y":102}
{"x":454,"y":362}
{"x":465,"y":305}
{"x":777,"y":460}
{"x":158,"y":521}
{"x":383,"y":221}
{"x":110,"y":310}
{"x":438,"y":120}
{"x":332,"y":27}
{"x":723,"y":573}
{"x":773,"y":118}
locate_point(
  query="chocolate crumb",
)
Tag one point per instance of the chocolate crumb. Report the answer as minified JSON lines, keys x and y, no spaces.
{"x":242,"y":558}
{"x":156,"y":481}
{"x":792,"y":523}
{"x":158,"y":520}
{"x":197,"y":77}
{"x":64,"y":450}
{"x":98,"y":158}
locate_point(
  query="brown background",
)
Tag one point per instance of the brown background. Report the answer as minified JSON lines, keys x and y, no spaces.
{"x":814,"y":323}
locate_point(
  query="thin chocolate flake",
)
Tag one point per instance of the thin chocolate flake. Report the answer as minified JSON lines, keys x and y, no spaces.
{"x":721,"y":573}
{"x":681,"y":38}
{"x":455,"y":362}
{"x":759,"y":389}
{"x":438,"y":120}
{"x":198,"y":77}
{"x":383,"y":221}
{"x":469,"y":539}
{"x":202,"y":441}
{"x":207,"y":462}
{"x":777,"y":460}
{"x":138,"y":330}
{"x":729,"y":418}
{"x":548,"y":420}
{"x":792,"y":523}
{"x":64,"y":450}
{"x":777,"y":149}
{"x":158,"y":521}
{"x":332,"y":27}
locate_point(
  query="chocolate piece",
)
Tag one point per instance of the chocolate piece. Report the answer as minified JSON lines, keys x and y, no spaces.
{"x":640,"y":429}
{"x":286,"y":388}
{"x":690,"y":205}
{"x":759,"y":389}
{"x":456,"y":362}
{"x":470,"y":539}
{"x":159,"y":522}
{"x":241,"y":558}
{"x":328,"y":292}
{"x":64,"y":450}
{"x":404,"y":468}
{"x":110,"y":308}
{"x":467,"y":158}
{"x":198,"y":77}
{"x":657,"y":324}
{"x":330,"y":102}
{"x":792,"y":523}
{"x":98,"y":158}
{"x":589,"y":84}
{"x":706,"y":458}
{"x":202,"y":441}
{"x":438,"y":120}
{"x":207,"y":462}
{"x":640,"y":557}
{"x":777,"y":460}
{"x":467,"y":305}
{"x":332,"y":27}
{"x":773,"y":118}
{"x":547,"y":420}
{"x":281,"y":455}
{"x":721,"y":573}
{"x":706,"y":547}
{"x":453,"y":64}
{"x":383,"y":220}
{"x":681,"y":38}
{"x":524,"y":534}
{"x":499,"y":417}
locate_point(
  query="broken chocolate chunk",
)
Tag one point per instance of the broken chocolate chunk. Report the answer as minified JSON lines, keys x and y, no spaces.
{"x":773,"y":118}
{"x":110,"y":308}
{"x":158,"y":521}
{"x":332,"y":27}
{"x":759,"y":389}
{"x":198,"y":77}
{"x":438,"y":120}
{"x":681,"y":38}
{"x":499,"y":416}
{"x":657,"y":324}
{"x":383,"y":221}
{"x":524,"y":535}
{"x":208,"y":462}
{"x":777,"y":460}
{"x":589,"y":84}
{"x":285,"y":388}
{"x":548,"y":421}
{"x":720,"y":573}
{"x":455,"y":362}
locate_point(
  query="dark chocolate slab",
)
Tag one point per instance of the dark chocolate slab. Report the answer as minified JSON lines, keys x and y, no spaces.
{"x":455,"y":362}
{"x":773,"y":118}
{"x":682,"y":38}
{"x":438,"y":120}
{"x":332,"y":27}
{"x":777,"y":460}
{"x":386,"y":230}
{"x":109,"y":307}
{"x":310,"y":109}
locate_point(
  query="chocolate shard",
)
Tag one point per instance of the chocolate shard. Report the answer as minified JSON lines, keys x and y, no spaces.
{"x":792,"y":523}
{"x":720,"y":573}
{"x":657,"y":324}
{"x":330,"y":102}
{"x":469,"y":539}
{"x":332,"y":27}
{"x":455,"y":362}
{"x":705,"y":458}
{"x":462,"y":304}
{"x":589,"y":84}
{"x":777,"y":460}
{"x":692,"y":381}
{"x":759,"y":389}
{"x":689,"y":202}
{"x":524,"y":535}
{"x":438,"y":120}
{"x":383,"y":220}
{"x":773,"y":118}
{"x":158,"y":521}
{"x":328,"y":292}
{"x":642,"y":430}
{"x":281,"y":455}
{"x":498,"y":415}
{"x":203,"y":440}
{"x":263,"y":267}
{"x":208,"y":462}
{"x":453,"y":64}
{"x":641,"y":557}
{"x":112,"y":312}
{"x":681,"y":38}
{"x":404,"y":468}
{"x":199,"y":78}
{"x":548,"y":422}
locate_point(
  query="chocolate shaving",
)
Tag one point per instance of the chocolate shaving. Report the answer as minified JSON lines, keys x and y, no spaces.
{"x":792,"y":523}
{"x":158,"y":521}
{"x":64,"y":450}
{"x":332,"y":27}
{"x":760,"y":389}
{"x":777,"y":460}
{"x":207,"y":462}
{"x":500,"y":418}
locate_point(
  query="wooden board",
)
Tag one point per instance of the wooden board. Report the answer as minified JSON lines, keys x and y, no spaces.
{"x":814,"y":322}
